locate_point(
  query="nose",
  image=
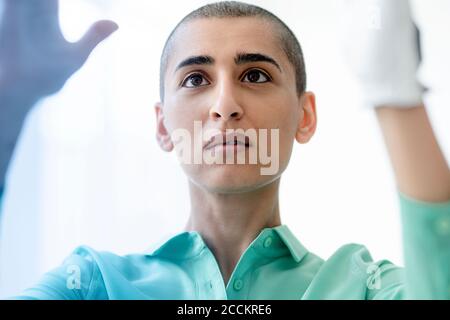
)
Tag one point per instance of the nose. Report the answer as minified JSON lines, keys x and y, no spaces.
{"x":225,"y":105}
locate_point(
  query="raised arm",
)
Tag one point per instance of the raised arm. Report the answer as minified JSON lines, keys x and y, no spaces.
{"x":383,"y":51}
{"x":35,"y":61}
{"x":384,"y":56}
{"x":420,"y":168}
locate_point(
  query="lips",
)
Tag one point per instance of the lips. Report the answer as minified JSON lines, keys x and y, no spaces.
{"x":234,"y":138}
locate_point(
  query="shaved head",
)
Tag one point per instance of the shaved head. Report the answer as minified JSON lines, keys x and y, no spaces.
{"x":233,"y":9}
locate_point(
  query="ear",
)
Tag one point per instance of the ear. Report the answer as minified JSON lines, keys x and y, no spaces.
{"x":162,"y":135}
{"x":308,"y":118}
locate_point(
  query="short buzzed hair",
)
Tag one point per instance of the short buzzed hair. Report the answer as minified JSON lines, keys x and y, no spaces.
{"x":235,"y":9}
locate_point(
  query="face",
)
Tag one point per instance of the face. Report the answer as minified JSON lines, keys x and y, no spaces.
{"x":231,"y":73}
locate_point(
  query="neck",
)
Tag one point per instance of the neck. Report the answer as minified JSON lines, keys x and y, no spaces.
{"x":228,"y":223}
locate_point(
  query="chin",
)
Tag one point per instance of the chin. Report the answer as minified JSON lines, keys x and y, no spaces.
{"x":230,"y":178}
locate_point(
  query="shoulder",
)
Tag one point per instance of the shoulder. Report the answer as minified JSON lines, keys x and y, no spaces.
{"x":107,"y":263}
{"x":76,"y":278}
{"x":83,"y":274}
{"x":351,"y":273}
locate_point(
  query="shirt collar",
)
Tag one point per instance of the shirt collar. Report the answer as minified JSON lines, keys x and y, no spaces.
{"x":297,"y":250}
{"x":188,"y":244}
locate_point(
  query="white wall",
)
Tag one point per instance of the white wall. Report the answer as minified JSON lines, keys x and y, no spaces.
{"x":88,"y":170}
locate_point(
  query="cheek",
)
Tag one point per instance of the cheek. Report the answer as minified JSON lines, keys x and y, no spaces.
{"x":280,"y":111}
{"x":183,"y":113}
{"x":283,"y":114}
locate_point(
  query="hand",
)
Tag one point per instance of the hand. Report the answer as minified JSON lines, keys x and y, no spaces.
{"x":35,"y":61}
{"x":380,"y":45}
{"x":34,"y":56}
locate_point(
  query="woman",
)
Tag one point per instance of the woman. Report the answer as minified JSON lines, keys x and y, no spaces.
{"x":227,"y":67}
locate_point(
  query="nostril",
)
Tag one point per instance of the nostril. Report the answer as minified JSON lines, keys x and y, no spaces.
{"x":234,"y":114}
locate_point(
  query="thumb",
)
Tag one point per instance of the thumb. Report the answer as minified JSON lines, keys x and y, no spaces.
{"x":98,"y":32}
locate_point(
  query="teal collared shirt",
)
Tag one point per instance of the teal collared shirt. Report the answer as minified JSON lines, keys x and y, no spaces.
{"x":274,"y":266}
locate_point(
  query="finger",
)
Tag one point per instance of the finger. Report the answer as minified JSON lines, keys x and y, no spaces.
{"x":44,"y":6}
{"x":34,"y":7}
{"x":10,"y":21}
{"x":34,"y":15}
{"x":12,"y":9}
{"x":98,"y":32}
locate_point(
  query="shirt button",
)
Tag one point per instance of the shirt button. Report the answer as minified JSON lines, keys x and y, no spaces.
{"x":238,"y":284}
{"x":267,"y":242}
{"x":443,"y":226}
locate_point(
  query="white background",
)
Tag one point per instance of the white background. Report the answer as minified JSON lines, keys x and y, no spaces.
{"x":87,"y":169}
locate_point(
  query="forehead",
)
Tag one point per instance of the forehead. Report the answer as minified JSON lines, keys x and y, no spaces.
{"x":222,"y":38}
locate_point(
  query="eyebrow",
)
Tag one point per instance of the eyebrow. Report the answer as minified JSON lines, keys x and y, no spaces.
{"x":195,"y":60}
{"x":241,"y":58}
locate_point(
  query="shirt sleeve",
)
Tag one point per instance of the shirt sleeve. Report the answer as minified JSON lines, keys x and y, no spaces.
{"x":77,"y":278}
{"x":426,"y":247}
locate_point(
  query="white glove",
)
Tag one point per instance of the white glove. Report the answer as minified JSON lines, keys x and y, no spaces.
{"x":433,"y":20}
{"x":380,"y":46}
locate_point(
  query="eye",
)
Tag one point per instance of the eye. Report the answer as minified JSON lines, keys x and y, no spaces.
{"x":195,"y":80}
{"x":256,"y":76}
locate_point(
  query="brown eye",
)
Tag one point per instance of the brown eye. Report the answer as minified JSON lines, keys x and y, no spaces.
{"x":256,"y":76}
{"x":194,"y":81}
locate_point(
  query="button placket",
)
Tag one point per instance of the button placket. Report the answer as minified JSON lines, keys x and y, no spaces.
{"x":267,"y":242}
{"x":238,"y":284}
